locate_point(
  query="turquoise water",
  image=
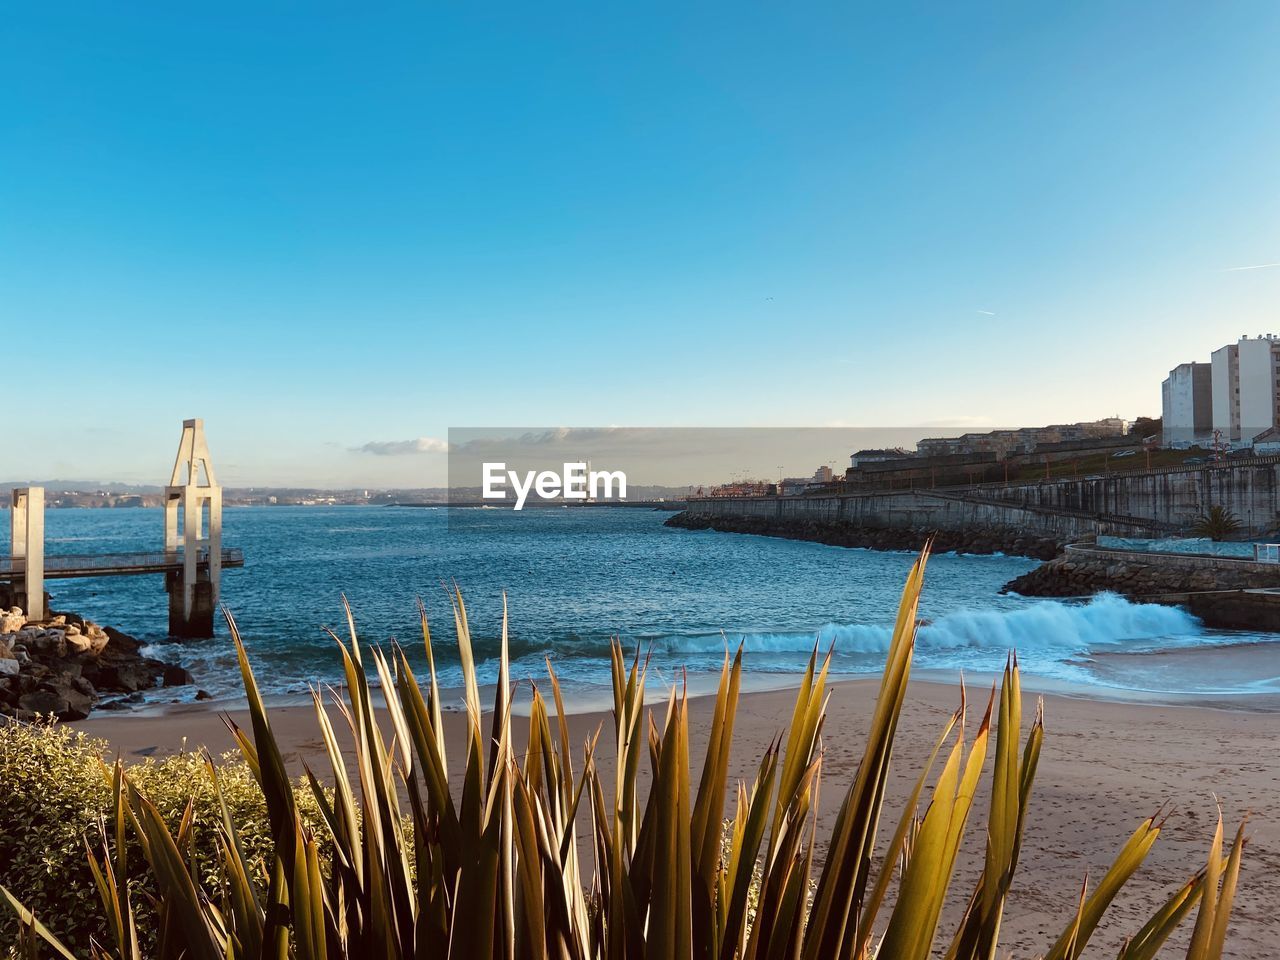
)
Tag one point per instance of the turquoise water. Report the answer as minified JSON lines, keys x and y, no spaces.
{"x":574,"y":578}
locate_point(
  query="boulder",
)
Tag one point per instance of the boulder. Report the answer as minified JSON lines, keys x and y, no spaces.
{"x":77,"y":642}
{"x":44,"y":702}
{"x":82,"y":685}
{"x":64,"y":666}
{"x":98,"y":638}
{"x":49,"y":643}
{"x":126,"y":676}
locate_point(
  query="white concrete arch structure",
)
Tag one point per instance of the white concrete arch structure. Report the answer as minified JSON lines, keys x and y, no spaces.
{"x":194,"y":495}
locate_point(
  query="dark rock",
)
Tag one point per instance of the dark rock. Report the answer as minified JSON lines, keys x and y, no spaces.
{"x":56,"y":679}
{"x":78,"y":705}
{"x":84,"y":686}
{"x":203,"y":695}
{"x":44,"y":702}
{"x":176,"y":676}
{"x":125,"y":676}
{"x":121,"y":703}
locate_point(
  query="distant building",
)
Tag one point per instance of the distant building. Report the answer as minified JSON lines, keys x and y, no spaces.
{"x":791,"y":486}
{"x":1267,"y":442}
{"x":1225,"y":388}
{"x":1244,"y":394}
{"x":1005,"y":443}
{"x":740,"y":488}
{"x":877,"y":456}
{"x":1187,"y":405}
{"x":940,"y":446}
{"x":1259,"y":396}
{"x":932,"y":471}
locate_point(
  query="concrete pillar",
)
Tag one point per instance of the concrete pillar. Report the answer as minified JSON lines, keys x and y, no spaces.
{"x":172,"y":539}
{"x":193,"y":590}
{"x":190,"y":548}
{"x":27,"y":543}
{"x":190,"y":611}
{"x":215,"y":537}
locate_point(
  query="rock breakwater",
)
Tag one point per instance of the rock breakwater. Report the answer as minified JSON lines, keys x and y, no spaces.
{"x":976,"y":540}
{"x":67,"y":665}
{"x":1078,"y":573}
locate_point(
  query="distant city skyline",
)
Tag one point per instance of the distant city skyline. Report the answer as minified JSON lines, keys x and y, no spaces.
{"x":335,"y":236}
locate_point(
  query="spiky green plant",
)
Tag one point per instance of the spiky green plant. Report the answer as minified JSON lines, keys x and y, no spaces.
{"x":493,"y":867}
{"x":1216,"y":523}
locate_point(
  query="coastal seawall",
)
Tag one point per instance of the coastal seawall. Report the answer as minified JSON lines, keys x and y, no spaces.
{"x":1168,"y":497}
{"x":894,"y":520}
{"x":1086,"y":568}
{"x":1224,"y":592}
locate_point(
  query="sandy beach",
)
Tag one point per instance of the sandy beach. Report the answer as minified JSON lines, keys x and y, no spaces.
{"x":1105,"y":766}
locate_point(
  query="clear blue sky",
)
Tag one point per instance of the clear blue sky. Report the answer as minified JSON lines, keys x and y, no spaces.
{"x":321,"y":226}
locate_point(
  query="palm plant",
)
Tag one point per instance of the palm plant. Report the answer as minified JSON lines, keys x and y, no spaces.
{"x":410,"y":864}
{"x":1216,"y":523}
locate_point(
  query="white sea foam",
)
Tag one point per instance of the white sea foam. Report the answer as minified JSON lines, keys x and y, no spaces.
{"x":1047,"y":627}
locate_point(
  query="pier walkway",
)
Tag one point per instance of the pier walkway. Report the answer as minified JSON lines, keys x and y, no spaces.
{"x":66,"y":566}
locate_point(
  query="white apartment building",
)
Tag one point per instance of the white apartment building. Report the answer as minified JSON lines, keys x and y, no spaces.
{"x":1259,"y":363}
{"x":1225,"y":362}
{"x":1241,"y":395}
{"x":1187,"y":405}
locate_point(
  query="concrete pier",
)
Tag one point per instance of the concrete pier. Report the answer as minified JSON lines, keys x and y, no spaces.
{"x":192,"y":560}
{"x":193,"y":530}
{"x":26,"y":549}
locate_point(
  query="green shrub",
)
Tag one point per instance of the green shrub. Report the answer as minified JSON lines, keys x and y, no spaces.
{"x":51,"y":795}
{"x":54,"y":792}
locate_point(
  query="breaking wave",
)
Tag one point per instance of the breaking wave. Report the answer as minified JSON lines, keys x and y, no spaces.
{"x":1044,"y":626}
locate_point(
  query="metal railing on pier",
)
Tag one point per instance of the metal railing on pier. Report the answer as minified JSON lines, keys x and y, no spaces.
{"x":115,"y":564}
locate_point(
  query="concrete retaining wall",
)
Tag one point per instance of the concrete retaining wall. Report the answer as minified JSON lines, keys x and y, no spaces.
{"x":922,"y":510}
{"x":1174,"y":561}
{"x":1161,"y":577}
{"x":1171,"y":497}
{"x":1147,"y":504}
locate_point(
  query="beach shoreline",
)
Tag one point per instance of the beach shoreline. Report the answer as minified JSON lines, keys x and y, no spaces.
{"x":1106,"y":765}
{"x":581,"y":700}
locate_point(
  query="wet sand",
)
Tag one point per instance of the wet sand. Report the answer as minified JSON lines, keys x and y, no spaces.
{"x":1105,"y":765}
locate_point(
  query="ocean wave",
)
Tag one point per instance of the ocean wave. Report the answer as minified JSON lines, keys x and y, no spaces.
{"x":1044,"y":626}
{"x":1051,"y":636}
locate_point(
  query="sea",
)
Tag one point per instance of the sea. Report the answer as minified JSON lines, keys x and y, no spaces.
{"x":575,"y":578}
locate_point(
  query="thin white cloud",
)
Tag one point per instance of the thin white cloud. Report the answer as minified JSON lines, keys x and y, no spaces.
{"x":400,"y":448}
{"x":986,"y":313}
{"x":1255,"y":266}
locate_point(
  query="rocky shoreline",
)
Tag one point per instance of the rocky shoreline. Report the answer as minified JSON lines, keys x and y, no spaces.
{"x":67,"y":666}
{"x":1078,"y":574}
{"x":1222,"y":596}
{"x":987,"y":541}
